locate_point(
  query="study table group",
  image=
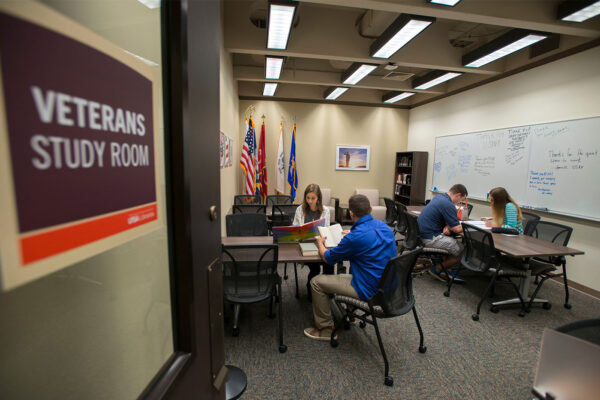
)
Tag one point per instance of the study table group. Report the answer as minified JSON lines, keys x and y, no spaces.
{"x":517,"y":246}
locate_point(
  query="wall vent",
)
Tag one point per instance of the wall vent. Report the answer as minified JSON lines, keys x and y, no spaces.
{"x":398,"y":76}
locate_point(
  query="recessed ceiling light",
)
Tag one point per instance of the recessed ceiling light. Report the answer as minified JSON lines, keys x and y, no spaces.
{"x":512,"y":41}
{"x":400,"y":32}
{"x":393,"y":97}
{"x":450,"y":3}
{"x":356,"y":72}
{"x":273,"y":67}
{"x":578,"y":10}
{"x":281,"y":16}
{"x":334,"y":92}
{"x":269,"y":89}
{"x":433,"y":78}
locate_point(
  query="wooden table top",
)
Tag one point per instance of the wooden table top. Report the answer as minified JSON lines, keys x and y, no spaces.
{"x":288,"y":252}
{"x":522,"y":246}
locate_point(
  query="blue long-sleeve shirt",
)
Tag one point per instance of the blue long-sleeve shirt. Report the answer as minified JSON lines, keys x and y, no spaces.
{"x":369,"y":246}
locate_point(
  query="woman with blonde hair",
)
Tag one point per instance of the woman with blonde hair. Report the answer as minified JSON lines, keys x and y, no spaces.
{"x":505,"y":211}
{"x":310,"y":210}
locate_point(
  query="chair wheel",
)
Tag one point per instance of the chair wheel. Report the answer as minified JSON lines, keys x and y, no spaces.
{"x":521,"y":313}
{"x":333,"y":343}
{"x":282,"y":348}
{"x":235,"y":332}
{"x":447,"y":294}
{"x":347,"y":325}
{"x":422,"y":349}
{"x":494,"y":309}
{"x":568,"y":306}
{"x":389,"y":381}
{"x":362,"y":324}
{"x":475,"y":317}
{"x":547,"y":306}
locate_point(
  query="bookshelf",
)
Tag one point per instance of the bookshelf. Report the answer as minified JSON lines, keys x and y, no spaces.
{"x":410,"y":177}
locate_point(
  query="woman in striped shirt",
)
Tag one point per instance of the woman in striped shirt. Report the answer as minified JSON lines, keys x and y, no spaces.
{"x":505,"y":211}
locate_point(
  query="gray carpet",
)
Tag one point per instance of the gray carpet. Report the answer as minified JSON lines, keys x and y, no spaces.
{"x":494,"y":358}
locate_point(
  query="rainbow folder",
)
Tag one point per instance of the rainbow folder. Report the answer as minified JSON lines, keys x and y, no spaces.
{"x":297,"y":233}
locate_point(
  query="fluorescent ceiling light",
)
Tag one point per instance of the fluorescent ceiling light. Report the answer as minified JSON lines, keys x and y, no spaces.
{"x":334,"y":92}
{"x":150,"y":3}
{"x":450,"y":3}
{"x":393,"y":97}
{"x":400,"y":32}
{"x":577,"y":10}
{"x":269,"y":89}
{"x":512,"y":41}
{"x":281,"y":16}
{"x":273,"y":67}
{"x":433,"y":78}
{"x":356,"y":72}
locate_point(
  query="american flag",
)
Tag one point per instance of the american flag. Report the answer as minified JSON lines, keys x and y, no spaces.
{"x":247,"y":159}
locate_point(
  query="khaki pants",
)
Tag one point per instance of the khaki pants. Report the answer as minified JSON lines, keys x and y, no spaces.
{"x":324,"y":285}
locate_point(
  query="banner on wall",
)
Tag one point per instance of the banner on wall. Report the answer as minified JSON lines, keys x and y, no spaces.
{"x":78,"y":166}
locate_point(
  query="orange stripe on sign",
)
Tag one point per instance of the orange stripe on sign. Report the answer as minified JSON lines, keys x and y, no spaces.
{"x":46,"y":244}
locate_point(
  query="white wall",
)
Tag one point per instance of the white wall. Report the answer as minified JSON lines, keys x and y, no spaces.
{"x":561,"y":90}
{"x":320,"y":127}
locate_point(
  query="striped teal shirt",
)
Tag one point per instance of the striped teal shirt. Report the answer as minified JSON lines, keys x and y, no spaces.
{"x":510,"y":218}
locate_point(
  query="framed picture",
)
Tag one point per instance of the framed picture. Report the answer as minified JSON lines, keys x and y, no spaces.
{"x":352,"y":158}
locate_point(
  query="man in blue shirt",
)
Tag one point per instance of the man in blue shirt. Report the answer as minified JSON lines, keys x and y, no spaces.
{"x":368,"y":246}
{"x":437,"y":222}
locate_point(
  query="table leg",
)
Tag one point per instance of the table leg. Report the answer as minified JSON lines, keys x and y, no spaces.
{"x":296,"y":276}
{"x":524,"y":284}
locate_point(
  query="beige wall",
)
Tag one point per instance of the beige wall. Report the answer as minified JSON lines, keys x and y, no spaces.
{"x":562,"y":90}
{"x":229,"y":123}
{"x":320,"y":127}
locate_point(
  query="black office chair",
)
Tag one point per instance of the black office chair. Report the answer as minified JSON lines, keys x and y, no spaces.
{"x":480,"y":256}
{"x":401,"y":221}
{"x":246,"y":225}
{"x":529,"y":222}
{"x":249,"y":209}
{"x":544,"y":267}
{"x":247,"y":199}
{"x":412,"y":240}
{"x":427,"y":201}
{"x":469,"y":209}
{"x":283,"y":214}
{"x":394,"y":297}
{"x":391,"y":211}
{"x":250,"y":276}
{"x":278,"y":199}
{"x":586,"y":329}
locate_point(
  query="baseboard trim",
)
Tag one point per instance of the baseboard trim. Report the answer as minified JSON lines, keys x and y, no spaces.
{"x":578,"y":286}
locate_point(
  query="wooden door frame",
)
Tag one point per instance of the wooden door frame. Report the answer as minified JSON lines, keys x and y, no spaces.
{"x":191,"y":37}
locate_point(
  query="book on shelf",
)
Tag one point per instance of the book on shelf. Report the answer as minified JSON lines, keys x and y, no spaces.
{"x":332,"y":233}
{"x":309,"y":249}
{"x":298,"y":232}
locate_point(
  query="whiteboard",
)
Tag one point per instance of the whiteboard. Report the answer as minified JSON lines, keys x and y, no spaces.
{"x":553,"y":167}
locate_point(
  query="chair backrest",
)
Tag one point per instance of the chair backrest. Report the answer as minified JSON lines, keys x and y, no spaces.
{"x":283,"y":214}
{"x":529,"y":222}
{"x":246,"y":199}
{"x":249,"y":271}
{"x":249,"y":209}
{"x":401,"y":220}
{"x":469,"y":209}
{"x":480,"y":253}
{"x":427,"y":201}
{"x":278,"y":199}
{"x":412,"y":237}
{"x":394,"y":292}
{"x":390,"y":212}
{"x":552,"y":232}
{"x":372,"y":195}
{"x":587,"y":329}
{"x":246,"y":224}
{"x":326,"y":194}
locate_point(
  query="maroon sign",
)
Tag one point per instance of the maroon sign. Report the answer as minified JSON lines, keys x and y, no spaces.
{"x":80,"y":127}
